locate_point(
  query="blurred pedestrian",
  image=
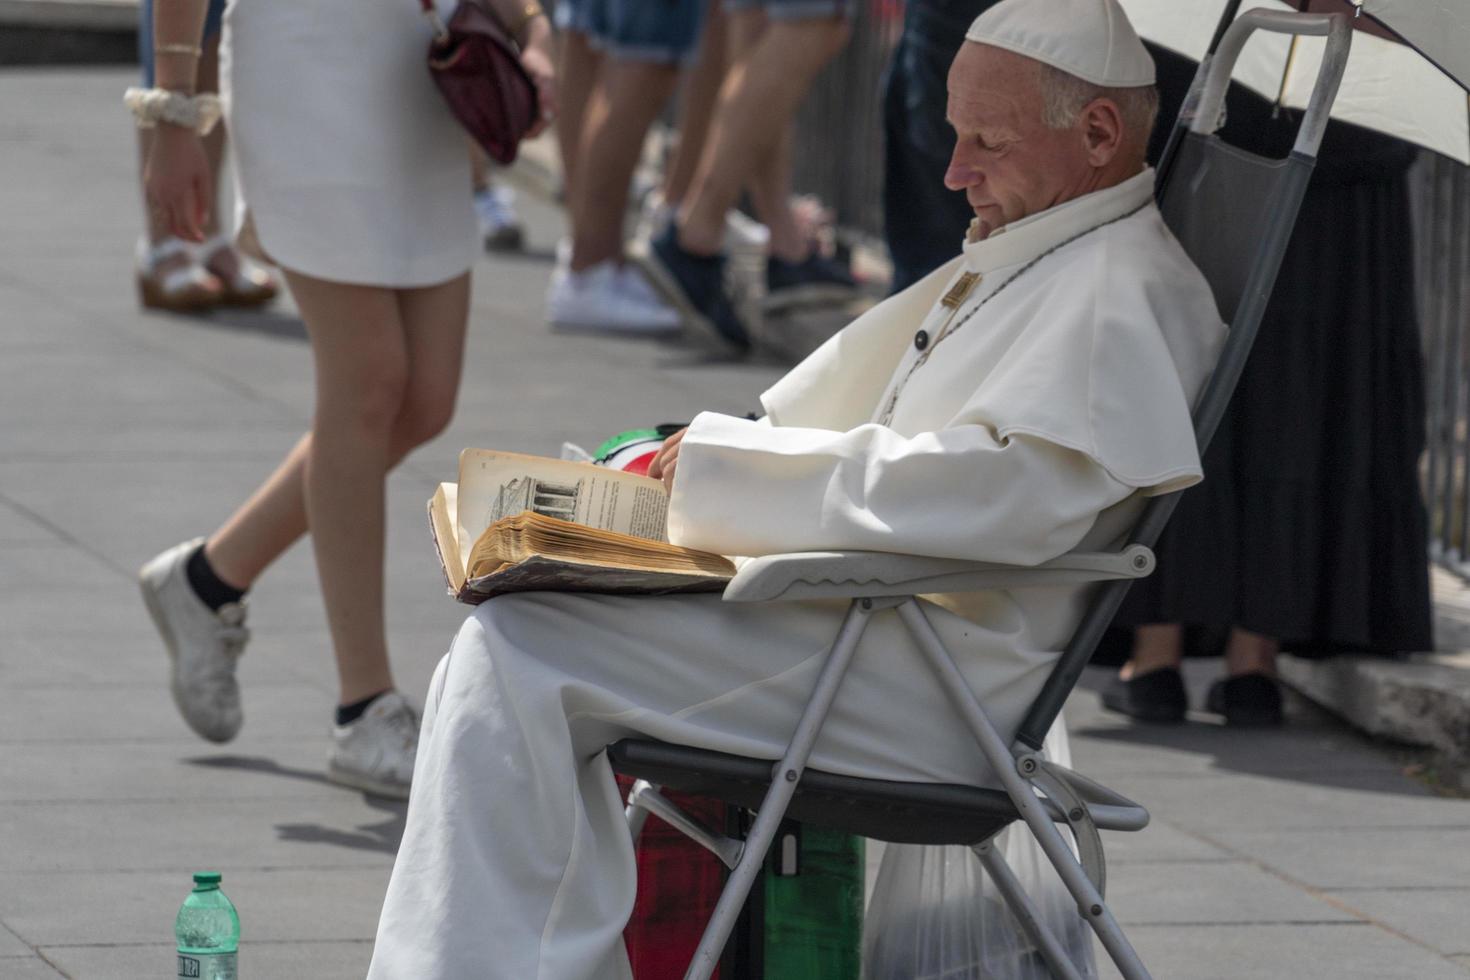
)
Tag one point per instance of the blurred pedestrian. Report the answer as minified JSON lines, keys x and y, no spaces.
{"x":356,"y":181}
{"x":641,"y":47}
{"x":174,"y":274}
{"x":501,"y":228}
{"x":1309,"y":533}
{"x":777,"y":47}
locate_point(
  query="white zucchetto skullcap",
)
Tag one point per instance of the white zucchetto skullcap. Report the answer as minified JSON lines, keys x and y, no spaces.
{"x":1091,"y":39}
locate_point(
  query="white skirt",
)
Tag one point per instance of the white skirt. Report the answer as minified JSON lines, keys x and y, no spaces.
{"x":345,"y":156}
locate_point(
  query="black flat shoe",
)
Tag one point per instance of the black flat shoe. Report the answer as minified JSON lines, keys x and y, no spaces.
{"x":1246,"y":701}
{"x":1157,"y":696}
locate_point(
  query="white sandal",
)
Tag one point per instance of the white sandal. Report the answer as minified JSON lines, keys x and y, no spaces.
{"x":188,"y":287}
{"x":251,"y":285}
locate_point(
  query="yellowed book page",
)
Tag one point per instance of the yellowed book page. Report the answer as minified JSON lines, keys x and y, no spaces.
{"x":493,"y":485}
{"x":442,"y":508}
{"x":513,"y":539}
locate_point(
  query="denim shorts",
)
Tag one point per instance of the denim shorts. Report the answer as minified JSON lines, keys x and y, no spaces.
{"x":660,"y":31}
{"x":212,"y":21}
{"x":792,"y":9}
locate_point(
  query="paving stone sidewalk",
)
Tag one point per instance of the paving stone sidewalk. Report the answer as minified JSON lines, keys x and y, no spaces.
{"x":1304,"y":853}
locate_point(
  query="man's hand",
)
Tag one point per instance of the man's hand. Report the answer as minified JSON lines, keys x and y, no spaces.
{"x":667,"y":460}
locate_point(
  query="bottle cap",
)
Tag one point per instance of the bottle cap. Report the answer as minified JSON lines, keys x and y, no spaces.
{"x":207,"y":877}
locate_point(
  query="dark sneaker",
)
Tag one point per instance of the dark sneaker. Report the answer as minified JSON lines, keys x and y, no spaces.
{"x":1157,"y":696}
{"x":815,"y":281}
{"x":693,"y":284}
{"x":501,"y":228}
{"x":1246,"y":701}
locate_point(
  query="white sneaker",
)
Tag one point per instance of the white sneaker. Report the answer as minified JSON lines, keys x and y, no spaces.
{"x":203,"y":644}
{"x":607,"y":297}
{"x":375,"y":752}
{"x":744,"y":233}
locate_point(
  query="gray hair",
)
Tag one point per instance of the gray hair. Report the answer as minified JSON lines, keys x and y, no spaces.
{"x":1064,"y":95}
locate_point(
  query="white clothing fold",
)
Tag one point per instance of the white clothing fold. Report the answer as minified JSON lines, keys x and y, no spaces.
{"x":516,"y":863}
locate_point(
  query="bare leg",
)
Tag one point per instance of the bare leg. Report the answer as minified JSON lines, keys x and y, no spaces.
{"x":214,"y":143}
{"x":479,"y":167}
{"x":388,"y":367}
{"x":770,"y":177}
{"x":697,"y":106}
{"x":757,"y":101}
{"x":1250,"y":653}
{"x":361,"y":360}
{"x":1155,"y":647}
{"x":770,"y":195}
{"x":623,"y":106}
{"x":157,"y":227}
{"x":576,"y":76}
{"x":274,"y":517}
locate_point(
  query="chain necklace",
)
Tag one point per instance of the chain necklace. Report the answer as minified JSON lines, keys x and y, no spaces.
{"x":950,"y":330}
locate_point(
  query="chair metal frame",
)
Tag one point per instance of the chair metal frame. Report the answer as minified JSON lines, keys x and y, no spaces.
{"x":1040,"y":793}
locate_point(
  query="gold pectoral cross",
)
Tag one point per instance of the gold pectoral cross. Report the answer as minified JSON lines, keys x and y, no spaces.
{"x":961,"y":290}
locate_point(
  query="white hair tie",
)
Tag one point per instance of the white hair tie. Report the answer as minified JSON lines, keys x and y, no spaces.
{"x":152,"y":106}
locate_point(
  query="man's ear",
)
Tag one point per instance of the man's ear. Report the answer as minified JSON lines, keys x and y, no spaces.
{"x":1102,"y":131}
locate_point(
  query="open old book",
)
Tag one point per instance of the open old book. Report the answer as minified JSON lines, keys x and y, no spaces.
{"x":519,"y":523}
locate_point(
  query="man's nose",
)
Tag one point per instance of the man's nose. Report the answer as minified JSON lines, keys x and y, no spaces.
{"x":960,"y":174}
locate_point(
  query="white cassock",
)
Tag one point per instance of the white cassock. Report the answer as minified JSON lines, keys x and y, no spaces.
{"x":1034,"y":428}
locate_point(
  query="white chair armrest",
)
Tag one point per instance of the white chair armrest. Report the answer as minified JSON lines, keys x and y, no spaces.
{"x":856,"y":574}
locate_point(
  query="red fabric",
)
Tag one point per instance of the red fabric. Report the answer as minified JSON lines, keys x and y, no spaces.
{"x":678,"y":885}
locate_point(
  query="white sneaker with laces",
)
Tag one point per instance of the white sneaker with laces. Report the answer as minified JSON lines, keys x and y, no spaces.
{"x":375,"y":752}
{"x":608,"y":297}
{"x":203,"y":644}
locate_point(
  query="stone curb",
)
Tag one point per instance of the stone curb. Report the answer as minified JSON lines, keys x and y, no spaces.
{"x":1423,"y":700}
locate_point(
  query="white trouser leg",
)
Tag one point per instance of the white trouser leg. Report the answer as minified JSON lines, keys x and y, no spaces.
{"x":516,"y":861}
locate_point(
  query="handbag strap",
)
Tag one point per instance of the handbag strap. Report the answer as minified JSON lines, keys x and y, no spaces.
{"x":441,"y":33}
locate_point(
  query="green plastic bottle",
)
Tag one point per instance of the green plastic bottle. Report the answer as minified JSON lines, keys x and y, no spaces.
{"x":813,"y":905}
{"x":208,"y":931}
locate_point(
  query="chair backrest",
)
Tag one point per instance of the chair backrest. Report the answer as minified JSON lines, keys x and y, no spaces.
{"x":1233,"y":212}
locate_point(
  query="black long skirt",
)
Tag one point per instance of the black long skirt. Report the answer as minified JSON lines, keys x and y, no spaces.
{"x":1309,"y":525}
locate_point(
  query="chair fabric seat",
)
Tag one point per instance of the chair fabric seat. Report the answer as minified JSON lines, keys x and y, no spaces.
{"x":898,"y":812}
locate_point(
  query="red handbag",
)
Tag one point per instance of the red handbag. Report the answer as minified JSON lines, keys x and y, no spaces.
{"x":478,"y":68}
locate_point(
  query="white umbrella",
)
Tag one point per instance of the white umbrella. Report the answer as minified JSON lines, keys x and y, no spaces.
{"x":1412,"y":90}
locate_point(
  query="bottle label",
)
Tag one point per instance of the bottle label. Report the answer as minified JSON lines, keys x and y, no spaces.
{"x":215,"y":966}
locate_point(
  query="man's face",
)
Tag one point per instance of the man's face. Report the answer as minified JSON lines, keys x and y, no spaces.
{"x":1008,"y":163}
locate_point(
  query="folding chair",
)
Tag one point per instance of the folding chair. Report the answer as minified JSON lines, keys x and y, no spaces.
{"x":1233,"y":212}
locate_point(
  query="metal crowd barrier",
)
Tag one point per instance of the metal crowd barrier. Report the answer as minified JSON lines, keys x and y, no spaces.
{"x":839,"y":133}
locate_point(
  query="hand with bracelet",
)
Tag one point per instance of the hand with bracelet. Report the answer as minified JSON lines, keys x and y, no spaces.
{"x":529,"y":25}
{"x":176,"y":176}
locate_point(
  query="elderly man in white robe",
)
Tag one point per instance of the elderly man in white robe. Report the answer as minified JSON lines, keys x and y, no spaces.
{"x":1016,"y":404}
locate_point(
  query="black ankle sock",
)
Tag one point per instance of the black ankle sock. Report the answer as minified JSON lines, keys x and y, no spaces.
{"x":348,"y":713}
{"x":208,"y":586}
